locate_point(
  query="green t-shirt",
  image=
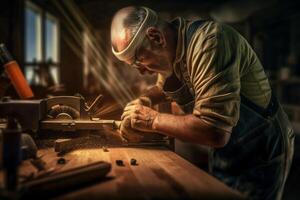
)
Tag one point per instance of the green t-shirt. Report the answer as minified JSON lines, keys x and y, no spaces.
{"x":221,"y":66}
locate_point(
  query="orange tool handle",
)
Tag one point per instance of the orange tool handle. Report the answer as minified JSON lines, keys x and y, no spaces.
{"x":18,"y":80}
{"x":14,"y":73}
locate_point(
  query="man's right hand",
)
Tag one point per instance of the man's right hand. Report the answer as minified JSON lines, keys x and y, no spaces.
{"x":144,"y":101}
{"x":126,"y":130}
{"x":129,"y":133}
{"x":133,"y":135}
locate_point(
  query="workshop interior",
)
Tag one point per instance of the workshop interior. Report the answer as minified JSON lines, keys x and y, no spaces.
{"x":63,"y":91}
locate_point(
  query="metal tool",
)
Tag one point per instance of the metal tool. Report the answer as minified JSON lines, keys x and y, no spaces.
{"x":65,"y":117}
{"x":59,"y":113}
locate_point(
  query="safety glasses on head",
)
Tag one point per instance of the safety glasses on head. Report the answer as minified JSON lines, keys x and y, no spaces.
{"x":130,"y":51}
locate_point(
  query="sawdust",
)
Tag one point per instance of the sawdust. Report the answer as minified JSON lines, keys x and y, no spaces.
{"x":109,"y":111}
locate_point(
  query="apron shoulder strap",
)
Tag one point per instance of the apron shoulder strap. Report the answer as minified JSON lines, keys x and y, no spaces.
{"x":191,"y":29}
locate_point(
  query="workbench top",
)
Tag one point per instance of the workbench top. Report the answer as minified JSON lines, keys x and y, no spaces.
{"x":159,"y":174}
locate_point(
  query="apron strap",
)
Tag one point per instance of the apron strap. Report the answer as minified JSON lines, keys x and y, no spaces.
{"x":270,"y":111}
{"x":191,"y":29}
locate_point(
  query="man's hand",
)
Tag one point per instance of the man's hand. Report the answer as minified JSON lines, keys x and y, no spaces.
{"x":144,"y":101}
{"x":129,"y":133}
{"x":134,"y":135}
{"x":137,"y":122}
{"x":141,"y":117}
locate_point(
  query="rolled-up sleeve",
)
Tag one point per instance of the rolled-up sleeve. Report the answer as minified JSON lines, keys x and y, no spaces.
{"x":213,"y":66}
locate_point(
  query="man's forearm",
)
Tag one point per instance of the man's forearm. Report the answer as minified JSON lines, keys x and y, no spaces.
{"x":190,"y":128}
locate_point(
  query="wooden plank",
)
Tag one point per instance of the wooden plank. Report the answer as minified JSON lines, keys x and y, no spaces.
{"x":195,"y":181}
{"x":147,"y":174}
{"x":160,"y":174}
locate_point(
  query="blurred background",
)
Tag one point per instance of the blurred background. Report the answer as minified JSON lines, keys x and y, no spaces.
{"x":63,"y":47}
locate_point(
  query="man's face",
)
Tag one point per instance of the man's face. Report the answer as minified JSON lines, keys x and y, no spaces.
{"x":151,"y":57}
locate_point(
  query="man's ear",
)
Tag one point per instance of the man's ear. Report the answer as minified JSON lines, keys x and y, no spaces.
{"x":156,"y":36}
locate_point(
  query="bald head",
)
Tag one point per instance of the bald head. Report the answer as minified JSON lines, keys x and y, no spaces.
{"x":124,"y":26}
{"x":132,"y":28}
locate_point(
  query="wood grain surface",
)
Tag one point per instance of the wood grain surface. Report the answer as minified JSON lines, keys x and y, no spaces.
{"x":159,"y":174}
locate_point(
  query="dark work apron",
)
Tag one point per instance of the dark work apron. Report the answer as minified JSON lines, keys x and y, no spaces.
{"x":258,"y":156}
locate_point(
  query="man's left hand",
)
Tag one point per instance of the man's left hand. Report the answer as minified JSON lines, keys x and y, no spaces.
{"x":142,"y":117}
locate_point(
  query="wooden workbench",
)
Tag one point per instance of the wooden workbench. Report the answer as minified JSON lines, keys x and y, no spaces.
{"x":160,"y":174}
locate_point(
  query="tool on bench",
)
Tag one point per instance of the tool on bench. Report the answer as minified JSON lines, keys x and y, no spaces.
{"x":15,"y":74}
{"x":59,"y":113}
{"x":65,"y":181}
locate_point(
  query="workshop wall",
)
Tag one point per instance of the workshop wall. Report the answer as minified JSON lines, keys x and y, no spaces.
{"x":271,"y":27}
{"x":11,"y":28}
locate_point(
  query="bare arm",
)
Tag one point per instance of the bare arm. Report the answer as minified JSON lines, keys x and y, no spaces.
{"x":190,"y":128}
